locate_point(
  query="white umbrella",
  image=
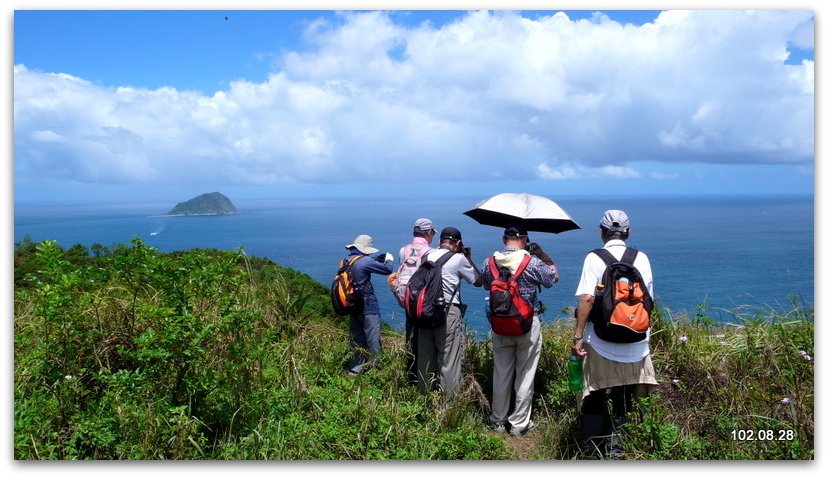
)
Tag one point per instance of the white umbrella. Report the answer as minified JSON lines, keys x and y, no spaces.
{"x":530,"y":211}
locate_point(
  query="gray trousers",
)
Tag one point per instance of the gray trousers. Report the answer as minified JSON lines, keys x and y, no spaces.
{"x":440,"y":352}
{"x":365,"y":343}
{"x":515,"y":363}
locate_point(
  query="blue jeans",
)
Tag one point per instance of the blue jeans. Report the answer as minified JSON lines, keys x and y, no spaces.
{"x":365,"y":342}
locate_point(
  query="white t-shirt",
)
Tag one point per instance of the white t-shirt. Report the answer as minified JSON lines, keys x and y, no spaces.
{"x":455,"y":268}
{"x":591,"y":275}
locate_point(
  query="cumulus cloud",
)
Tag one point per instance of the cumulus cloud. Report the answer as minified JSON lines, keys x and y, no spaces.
{"x":488,"y":96}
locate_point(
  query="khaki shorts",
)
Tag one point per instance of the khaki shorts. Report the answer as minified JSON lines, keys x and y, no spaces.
{"x":601,"y":373}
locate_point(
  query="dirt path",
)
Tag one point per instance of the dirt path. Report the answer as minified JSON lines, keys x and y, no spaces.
{"x":526,"y":447}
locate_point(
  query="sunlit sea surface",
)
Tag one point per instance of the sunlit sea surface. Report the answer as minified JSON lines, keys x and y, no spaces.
{"x":728,"y":254}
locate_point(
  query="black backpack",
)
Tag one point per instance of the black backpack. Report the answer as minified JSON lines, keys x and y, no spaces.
{"x":622,"y":307}
{"x":424,"y":301}
{"x":346,"y":295}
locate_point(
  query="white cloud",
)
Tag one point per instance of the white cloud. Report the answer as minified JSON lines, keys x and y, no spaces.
{"x":660,"y":175}
{"x":490,"y":96}
{"x":545,"y":171}
{"x":618,"y":172}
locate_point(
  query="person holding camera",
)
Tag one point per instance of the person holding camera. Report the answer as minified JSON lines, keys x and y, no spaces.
{"x":516,"y":356}
{"x":440,"y":349}
{"x":365,"y":346}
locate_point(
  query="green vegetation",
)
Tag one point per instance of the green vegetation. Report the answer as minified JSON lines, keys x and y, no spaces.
{"x":211,"y":203}
{"x":128,"y":353}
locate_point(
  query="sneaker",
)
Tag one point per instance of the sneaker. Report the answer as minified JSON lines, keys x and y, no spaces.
{"x":615,"y":450}
{"x":531,"y":426}
{"x":499,"y":427}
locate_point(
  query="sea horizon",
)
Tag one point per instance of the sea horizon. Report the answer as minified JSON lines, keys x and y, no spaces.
{"x":709,"y":253}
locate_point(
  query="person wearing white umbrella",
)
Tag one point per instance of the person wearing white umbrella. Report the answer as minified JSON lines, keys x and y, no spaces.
{"x":516,"y":356}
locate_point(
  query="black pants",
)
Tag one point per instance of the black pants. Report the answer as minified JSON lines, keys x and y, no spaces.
{"x":597,"y":424}
{"x":621,"y":398}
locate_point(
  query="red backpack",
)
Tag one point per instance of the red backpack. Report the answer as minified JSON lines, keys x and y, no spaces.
{"x":509,"y":313}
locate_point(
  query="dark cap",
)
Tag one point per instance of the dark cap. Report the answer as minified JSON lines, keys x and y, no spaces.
{"x":515,"y":231}
{"x":450,"y":233}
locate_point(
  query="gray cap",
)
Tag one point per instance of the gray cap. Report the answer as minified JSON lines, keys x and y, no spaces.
{"x":615,"y":220}
{"x":364,"y":244}
{"x":423,"y":224}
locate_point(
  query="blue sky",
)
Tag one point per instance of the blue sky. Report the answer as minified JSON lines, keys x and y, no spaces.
{"x":140,"y":105}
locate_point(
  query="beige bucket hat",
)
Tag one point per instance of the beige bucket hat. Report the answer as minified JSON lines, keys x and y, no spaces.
{"x":364,"y":244}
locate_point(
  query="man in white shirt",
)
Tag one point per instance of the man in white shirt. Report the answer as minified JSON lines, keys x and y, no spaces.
{"x":620,"y":370}
{"x":440,"y":349}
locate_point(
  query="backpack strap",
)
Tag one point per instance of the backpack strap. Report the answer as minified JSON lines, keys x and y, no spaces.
{"x":346,"y":263}
{"x":495,"y":270}
{"x":605,"y":255}
{"x":349,"y":264}
{"x":629,"y":256}
{"x":409,"y":248}
{"x":441,"y":262}
{"x":522,"y":267}
{"x":444,"y":258}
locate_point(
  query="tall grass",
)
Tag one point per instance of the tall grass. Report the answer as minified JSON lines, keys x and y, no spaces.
{"x":205,"y":354}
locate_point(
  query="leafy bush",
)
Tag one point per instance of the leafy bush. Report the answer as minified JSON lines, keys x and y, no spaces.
{"x":205,"y":354}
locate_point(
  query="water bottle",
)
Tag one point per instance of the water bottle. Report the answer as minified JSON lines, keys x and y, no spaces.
{"x":576,"y":373}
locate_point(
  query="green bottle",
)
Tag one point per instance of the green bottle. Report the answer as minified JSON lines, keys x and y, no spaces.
{"x":576,"y":373}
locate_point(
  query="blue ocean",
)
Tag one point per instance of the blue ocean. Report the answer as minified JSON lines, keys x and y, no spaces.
{"x":727,"y":254}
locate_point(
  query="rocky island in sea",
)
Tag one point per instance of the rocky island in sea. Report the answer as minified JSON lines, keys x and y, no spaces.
{"x":206,"y":204}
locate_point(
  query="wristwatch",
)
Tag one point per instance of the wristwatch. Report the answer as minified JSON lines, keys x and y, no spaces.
{"x":577,"y":337}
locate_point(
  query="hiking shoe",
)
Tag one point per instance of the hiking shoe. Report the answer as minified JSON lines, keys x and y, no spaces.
{"x":615,"y":450}
{"x":531,"y":426}
{"x":499,"y":427}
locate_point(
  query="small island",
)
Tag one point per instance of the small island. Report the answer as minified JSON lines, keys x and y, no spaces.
{"x":206,"y":204}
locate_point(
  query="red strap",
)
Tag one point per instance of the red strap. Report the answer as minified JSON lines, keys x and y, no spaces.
{"x":522,"y":267}
{"x":495,"y":270}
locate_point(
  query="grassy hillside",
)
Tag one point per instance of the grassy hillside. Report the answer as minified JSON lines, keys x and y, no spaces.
{"x":128,"y":353}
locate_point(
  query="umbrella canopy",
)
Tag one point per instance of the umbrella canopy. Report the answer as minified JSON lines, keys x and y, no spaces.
{"x":532,"y":212}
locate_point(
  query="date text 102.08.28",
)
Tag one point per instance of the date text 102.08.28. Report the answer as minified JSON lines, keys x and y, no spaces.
{"x":762,"y":435}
